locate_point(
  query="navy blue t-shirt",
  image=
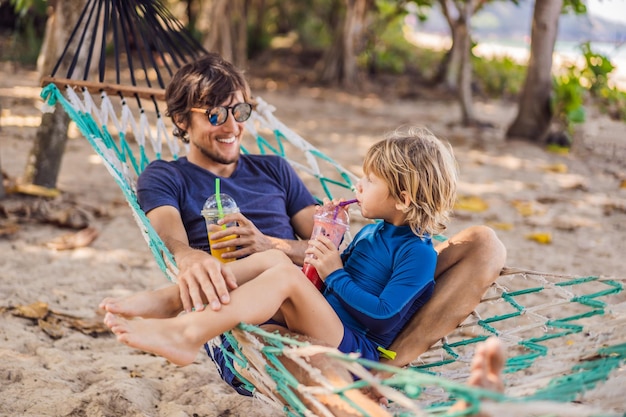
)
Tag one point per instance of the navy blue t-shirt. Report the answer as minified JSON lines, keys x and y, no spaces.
{"x":266,"y":189}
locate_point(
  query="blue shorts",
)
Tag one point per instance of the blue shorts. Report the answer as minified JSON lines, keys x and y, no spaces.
{"x":221,"y":356}
{"x":356,"y":342}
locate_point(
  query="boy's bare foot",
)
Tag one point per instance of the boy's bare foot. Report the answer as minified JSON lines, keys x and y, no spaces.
{"x":161,"y":303}
{"x":162,"y":337}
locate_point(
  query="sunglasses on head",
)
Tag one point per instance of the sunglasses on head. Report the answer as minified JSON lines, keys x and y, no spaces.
{"x":219,"y":114}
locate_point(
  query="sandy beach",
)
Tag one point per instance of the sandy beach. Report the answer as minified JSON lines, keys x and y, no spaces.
{"x":71,"y":365}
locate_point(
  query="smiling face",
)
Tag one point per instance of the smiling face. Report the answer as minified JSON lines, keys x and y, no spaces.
{"x":203,"y":84}
{"x":216,"y":148}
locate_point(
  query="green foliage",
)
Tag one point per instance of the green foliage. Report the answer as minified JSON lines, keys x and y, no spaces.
{"x":392,"y":53}
{"x":595,"y":75}
{"x":26,"y":39}
{"x":498,"y":76}
{"x":568,"y":96}
{"x":575,"y":84}
{"x":596,"y":70}
{"x":21,"y":7}
{"x":388,"y":51}
{"x":309,"y":23}
{"x":314,"y":33}
{"x":313,"y":21}
{"x":574,"y":6}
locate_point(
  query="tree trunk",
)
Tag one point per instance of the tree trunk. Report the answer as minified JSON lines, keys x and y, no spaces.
{"x":458,"y":75}
{"x":339,"y":63}
{"x":454,"y":62}
{"x":468,"y":116}
{"x":354,"y":29}
{"x":332,"y":70}
{"x":454,"y":58}
{"x":257,"y":30}
{"x":225,"y":23}
{"x":534,"y":114}
{"x":44,"y":162}
{"x":2,"y":191}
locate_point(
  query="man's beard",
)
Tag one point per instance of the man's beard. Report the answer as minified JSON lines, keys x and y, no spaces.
{"x":214,"y":156}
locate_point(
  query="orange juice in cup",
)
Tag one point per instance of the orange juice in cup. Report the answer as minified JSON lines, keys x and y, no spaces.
{"x":219,"y":252}
{"x":215,"y":208}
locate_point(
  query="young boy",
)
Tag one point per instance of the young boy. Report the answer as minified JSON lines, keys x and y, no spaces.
{"x":372,"y":289}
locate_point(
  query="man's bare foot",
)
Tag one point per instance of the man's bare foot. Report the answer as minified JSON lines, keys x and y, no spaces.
{"x":487,"y":365}
{"x":163,"y":337}
{"x":486,"y":370}
{"x":161,"y":303}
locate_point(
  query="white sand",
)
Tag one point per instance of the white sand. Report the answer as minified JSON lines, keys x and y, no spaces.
{"x":580,"y":199}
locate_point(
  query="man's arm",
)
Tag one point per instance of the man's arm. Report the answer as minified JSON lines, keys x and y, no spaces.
{"x":250,"y":240}
{"x":302,"y":223}
{"x":202,"y":279}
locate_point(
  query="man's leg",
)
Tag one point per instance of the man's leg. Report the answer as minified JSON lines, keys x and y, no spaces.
{"x":467,"y":264}
{"x":162,"y":303}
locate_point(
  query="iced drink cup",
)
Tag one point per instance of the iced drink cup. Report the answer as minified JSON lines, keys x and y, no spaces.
{"x":332,"y":222}
{"x":217,"y":253}
{"x":212,"y":213}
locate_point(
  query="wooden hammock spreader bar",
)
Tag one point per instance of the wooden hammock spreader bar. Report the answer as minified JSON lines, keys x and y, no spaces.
{"x":109,"y":88}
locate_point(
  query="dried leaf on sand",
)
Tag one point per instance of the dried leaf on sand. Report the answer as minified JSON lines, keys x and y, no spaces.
{"x":75,"y":240}
{"x":53,"y":322}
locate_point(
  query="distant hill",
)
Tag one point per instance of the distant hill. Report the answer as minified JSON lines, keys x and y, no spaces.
{"x":505,"y":20}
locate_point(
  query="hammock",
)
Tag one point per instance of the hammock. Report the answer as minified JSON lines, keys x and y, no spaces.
{"x":558,"y":330}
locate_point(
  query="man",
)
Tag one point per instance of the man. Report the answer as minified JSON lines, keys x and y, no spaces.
{"x":209,"y":102}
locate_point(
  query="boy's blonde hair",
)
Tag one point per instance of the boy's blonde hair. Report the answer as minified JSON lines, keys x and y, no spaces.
{"x":414,"y":160}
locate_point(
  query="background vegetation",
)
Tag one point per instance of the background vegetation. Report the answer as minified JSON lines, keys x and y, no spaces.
{"x":353,"y":44}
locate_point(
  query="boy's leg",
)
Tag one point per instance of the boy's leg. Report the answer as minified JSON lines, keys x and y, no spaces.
{"x":283,"y":289}
{"x":252,"y":266}
{"x":467,"y":264}
{"x":165,"y":302}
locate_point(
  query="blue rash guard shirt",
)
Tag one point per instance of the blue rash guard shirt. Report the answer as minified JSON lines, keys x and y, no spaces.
{"x":265,"y":187}
{"x":388,"y":274}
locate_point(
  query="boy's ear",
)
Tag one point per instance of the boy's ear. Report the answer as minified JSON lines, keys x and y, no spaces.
{"x":405,"y":201}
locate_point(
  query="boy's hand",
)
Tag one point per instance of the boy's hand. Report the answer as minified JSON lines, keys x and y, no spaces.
{"x":326,"y":257}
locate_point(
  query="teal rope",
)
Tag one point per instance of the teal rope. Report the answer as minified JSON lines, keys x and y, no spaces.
{"x":584,"y":376}
{"x":92,"y":132}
